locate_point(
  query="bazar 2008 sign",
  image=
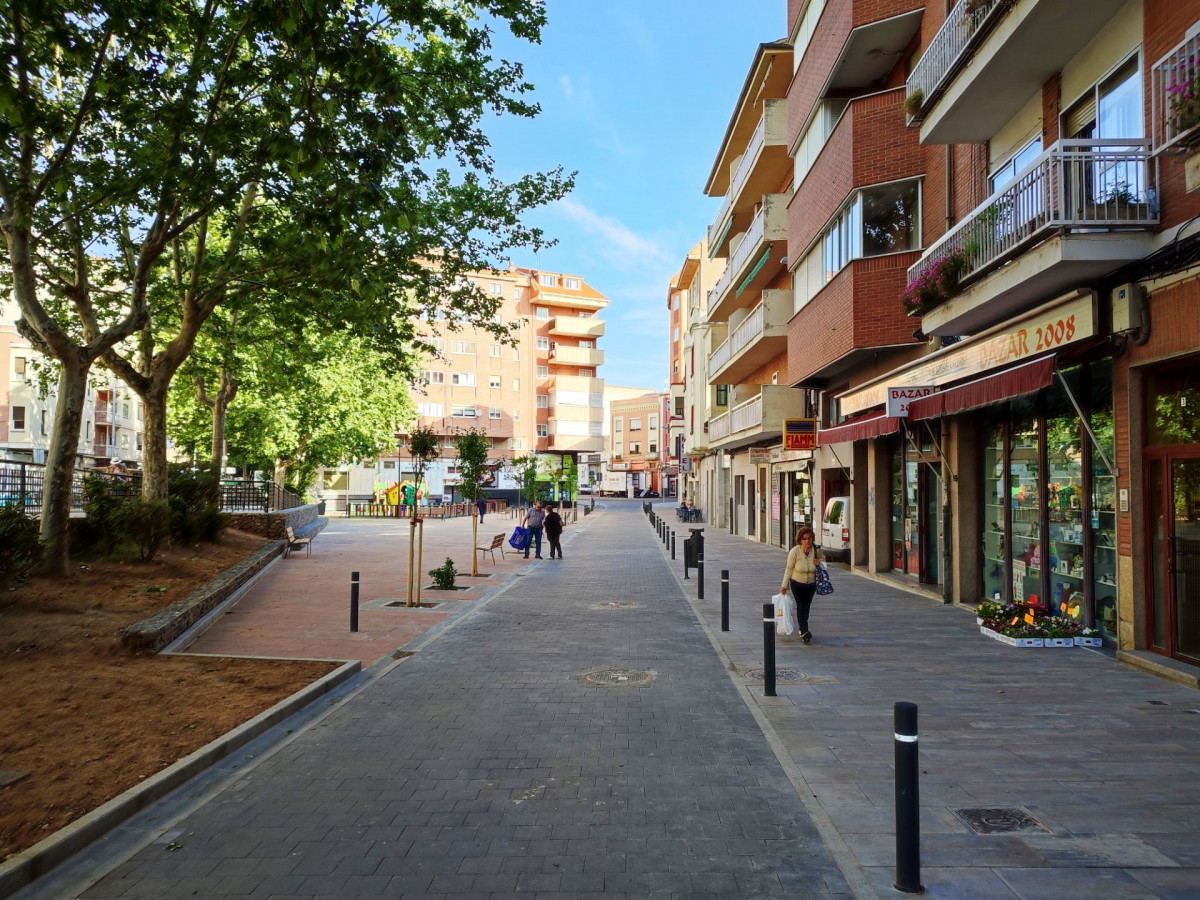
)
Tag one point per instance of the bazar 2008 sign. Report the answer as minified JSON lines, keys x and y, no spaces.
{"x":1044,"y":331}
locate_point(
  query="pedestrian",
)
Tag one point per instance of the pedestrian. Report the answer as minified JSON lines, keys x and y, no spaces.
{"x":801,"y":576}
{"x":554,"y":529}
{"x":534,"y":520}
{"x":482,"y":504}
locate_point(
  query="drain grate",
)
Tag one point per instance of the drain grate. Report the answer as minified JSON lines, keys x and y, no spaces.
{"x":781,"y":675}
{"x":618,"y":676}
{"x":401,"y":603}
{"x":999,"y":820}
{"x":616,"y":604}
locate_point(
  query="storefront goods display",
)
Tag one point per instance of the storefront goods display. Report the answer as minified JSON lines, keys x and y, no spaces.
{"x":1033,"y":625}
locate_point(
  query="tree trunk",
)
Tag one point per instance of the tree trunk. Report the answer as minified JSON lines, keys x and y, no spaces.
{"x":60,"y":464}
{"x":154,"y":463}
{"x":474,"y":542}
{"x":220,"y":403}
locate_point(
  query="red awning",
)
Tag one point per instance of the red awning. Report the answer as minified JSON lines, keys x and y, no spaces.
{"x":859,"y":430}
{"x":1023,"y":379}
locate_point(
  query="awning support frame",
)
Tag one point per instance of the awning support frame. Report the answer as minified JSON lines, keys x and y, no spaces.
{"x":1112,"y":470}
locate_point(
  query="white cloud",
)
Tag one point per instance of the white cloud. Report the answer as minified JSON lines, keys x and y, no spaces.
{"x":614,"y":232}
{"x":565,"y":81}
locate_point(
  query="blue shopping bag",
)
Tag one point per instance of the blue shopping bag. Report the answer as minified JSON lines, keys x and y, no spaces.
{"x":520,"y":538}
{"x":824,"y":585}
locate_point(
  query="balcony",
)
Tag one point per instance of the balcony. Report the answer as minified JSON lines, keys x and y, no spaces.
{"x":760,"y":418}
{"x":581,"y":384}
{"x":576,"y":356}
{"x":1079,"y":211}
{"x":984,"y":65}
{"x":104,"y":450}
{"x":574,"y":326}
{"x":749,"y":268}
{"x":1175,"y":97}
{"x":565,"y":412}
{"x":762,"y":165}
{"x":575,"y":443}
{"x":759,"y":336}
{"x":103,"y":416}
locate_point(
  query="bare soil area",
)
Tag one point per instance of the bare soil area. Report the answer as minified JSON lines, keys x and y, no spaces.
{"x":83,"y":719}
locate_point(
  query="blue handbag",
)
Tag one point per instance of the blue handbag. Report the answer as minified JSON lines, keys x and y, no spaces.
{"x":824,"y":585}
{"x":520,"y":538}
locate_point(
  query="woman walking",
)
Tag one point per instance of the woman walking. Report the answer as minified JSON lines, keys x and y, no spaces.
{"x":801,"y":576}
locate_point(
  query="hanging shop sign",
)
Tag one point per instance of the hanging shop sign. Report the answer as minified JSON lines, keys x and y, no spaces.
{"x":799,"y":434}
{"x":898,"y":399}
{"x":1047,"y":329}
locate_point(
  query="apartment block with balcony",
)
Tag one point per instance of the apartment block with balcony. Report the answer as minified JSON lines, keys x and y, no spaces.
{"x":539,"y":394}
{"x":747,"y":363}
{"x":1042,"y":457}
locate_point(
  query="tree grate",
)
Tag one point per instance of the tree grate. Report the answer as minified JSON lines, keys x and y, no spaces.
{"x":999,"y":820}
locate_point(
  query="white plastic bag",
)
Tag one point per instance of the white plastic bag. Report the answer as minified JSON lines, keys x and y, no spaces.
{"x":785,"y":615}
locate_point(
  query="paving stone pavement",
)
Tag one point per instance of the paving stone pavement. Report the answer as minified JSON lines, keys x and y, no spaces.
{"x":487,"y":764}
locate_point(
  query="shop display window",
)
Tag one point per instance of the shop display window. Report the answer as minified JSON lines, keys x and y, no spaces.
{"x":897,"y":507}
{"x":1024,"y":488}
{"x":1065,"y":545}
{"x":995,"y":542}
{"x":1103,"y":517}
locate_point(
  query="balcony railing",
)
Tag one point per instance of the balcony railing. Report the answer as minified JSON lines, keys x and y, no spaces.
{"x":102,"y":415}
{"x":1175,"y":95}
{"x":577,"y":356}
{"x":964,"y":27}
{"x":1075,"y":184}
{"x":744,"y":334}
{"x":99,"y":448}
{"x":750,"y":241}
{"x":722,"y":285}
{"x":742,"y":417}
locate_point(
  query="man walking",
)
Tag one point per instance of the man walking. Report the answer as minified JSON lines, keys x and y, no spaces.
{"x":534,"y":519}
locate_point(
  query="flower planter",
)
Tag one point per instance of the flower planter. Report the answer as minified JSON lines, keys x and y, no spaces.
{"x":1037,"y":642}
{"x":1058,"y":642}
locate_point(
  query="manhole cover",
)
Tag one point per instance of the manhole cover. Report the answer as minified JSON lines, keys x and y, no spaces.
{"x":617,"y":676}
{"x":999,"y":820}
{"x":780,"y":675}
{"x":616,"y":604}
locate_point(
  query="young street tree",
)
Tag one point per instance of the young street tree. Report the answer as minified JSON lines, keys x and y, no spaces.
{"x":158,"y":158}
{"x":473,"y":446}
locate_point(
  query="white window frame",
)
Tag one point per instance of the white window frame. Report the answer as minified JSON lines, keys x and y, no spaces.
{"x":494,"y":382}
{"x":494,"y":351}
{"x":543,"y":343}
{"x":543,"y":401}
{"x":635,"y":423}
{"x":462,"y":379}
{"x":548,"y":280}
{"x":543,"y":372}
{"x":20,"y":423}
{"x":571,"y":283}
{"x":543,"y":313}
{"x":496,"y":288}
{"x":494,"y":412}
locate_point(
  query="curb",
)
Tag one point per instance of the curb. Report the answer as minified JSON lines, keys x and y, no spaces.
{"x":22,"y":868}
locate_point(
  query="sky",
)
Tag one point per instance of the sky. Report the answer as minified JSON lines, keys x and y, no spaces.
{"x":636,"y":96}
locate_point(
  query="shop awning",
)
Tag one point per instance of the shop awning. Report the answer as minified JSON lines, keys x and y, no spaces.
{"x":859,"y":430}
{"x":1014,"y":382}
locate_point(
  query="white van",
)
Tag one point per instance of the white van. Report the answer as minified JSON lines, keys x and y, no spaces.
{"x":835,"y":529}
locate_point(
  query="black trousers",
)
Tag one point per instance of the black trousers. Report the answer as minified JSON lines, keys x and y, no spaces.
{"x":804,"y":597}
{"x":555,"y":546}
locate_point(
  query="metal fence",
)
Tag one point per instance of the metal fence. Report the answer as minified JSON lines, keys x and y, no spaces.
{"x":963,"y":29}
{"x":24,"y":484}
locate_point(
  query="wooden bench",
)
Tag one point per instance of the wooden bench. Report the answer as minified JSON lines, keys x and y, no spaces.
{"x":295,"y":543}
{"x":496,"y":544}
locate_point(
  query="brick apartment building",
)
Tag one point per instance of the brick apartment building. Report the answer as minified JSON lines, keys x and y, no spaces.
{"x":991,"y":218}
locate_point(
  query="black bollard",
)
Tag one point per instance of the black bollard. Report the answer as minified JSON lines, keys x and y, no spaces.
{"x":768,"y":649}
{"x":700,"y":571}
{"x":354,"y":601}
{"x":672,"y":545}
{"x":687,"y":551}
{"x":908,"y":798}
{"x":725,"y":600}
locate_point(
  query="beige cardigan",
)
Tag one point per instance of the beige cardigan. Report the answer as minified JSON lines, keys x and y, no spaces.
{"x":801,"y":567}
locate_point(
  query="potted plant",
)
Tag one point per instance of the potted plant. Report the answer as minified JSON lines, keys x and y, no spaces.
{"x":936,"y":284}
{"x":1183,"y":96}
{"x":913,"y":103}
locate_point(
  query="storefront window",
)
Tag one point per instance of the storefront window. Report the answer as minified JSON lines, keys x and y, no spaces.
{"x":994,"y":532}
{"x":1064,"y":501}
{"x":897,"y":507}
{"x":912,"y":506}
{"x":1024,"y":481}
{"x":1103,"y":519}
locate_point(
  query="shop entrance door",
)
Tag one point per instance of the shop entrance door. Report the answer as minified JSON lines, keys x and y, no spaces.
{"x":930,"y":525}
{"x":1173,"y":494}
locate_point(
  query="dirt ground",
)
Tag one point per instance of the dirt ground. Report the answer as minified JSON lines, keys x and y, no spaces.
{"x":83,"y":718}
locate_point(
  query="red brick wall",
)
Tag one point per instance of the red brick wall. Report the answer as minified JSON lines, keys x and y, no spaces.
{"x":816,"y":64}
{"x":859,"y":308}
{"x":1164,"y":25}
{"x":872,"y":135}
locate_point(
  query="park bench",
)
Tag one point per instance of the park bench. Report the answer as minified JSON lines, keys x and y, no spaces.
{"x":295,"y":543}
{"x":496,"y":544}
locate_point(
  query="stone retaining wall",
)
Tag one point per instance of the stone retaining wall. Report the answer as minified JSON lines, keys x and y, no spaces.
{"x":274,"y":524}
{"x":159,"y":630}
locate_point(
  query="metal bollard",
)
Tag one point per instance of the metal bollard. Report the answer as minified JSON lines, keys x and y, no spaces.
{"x":672,"y":545}
{"x":725,"y":600}
{"x":354,"y":601}
{"x":768,"y":649}
{"x":908,"y":797}
{"x":700,"y":571}
{"x":687,"y":550}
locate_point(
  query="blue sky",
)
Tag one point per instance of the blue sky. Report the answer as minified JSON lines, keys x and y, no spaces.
{"x":635,"y":96}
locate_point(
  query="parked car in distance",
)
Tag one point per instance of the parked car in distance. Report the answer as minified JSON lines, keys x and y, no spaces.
{"x":585,"y":489}
{"x":835,"y":529}
{"x":647,"y":494}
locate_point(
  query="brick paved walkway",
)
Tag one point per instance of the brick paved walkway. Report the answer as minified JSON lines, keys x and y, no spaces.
{"x":488,"y":766}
